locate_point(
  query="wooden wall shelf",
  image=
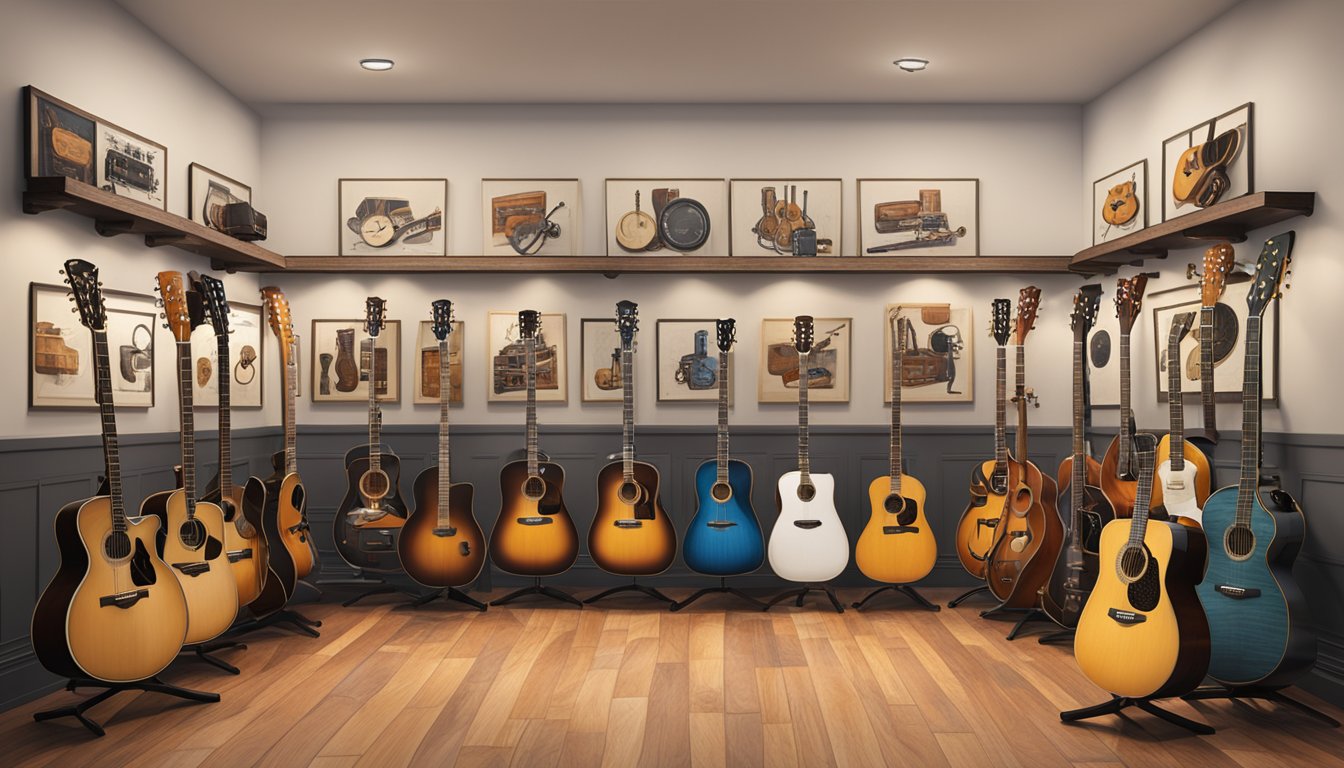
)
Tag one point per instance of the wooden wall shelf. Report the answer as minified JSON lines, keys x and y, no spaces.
{"x":1229,"y":220}
{"x":614,"y":265}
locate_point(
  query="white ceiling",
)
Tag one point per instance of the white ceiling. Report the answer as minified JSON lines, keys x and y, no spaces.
{"x":1023,"y":51}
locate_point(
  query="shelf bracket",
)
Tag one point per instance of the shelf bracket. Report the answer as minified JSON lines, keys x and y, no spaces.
{"x":158,"y":241}
{"x":1214,"y":232}
{"x":113,"y":227}
{"x":36,"y":206}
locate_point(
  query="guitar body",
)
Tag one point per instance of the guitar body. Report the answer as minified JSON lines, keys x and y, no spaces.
{"x":212,"y":595}
{"x":1074,"y":574}
{"x":1014,"y":575}
{"x":978,"y":527}
{"x":808,"y":543}
{"x":1121,"y":205}
{"x":1120,"y":491}
{"x":441,"y":557}
{"x":631,"y":539}
{"x":1182,"y":493}
{"x":285,"y":491}
{"x":724,"y":538}
{"x":74,"y":635}
{"x":1166,"y":651}
{"x":244,"y":541}
{"x":1262,"y":640}
{"x":533,"y":538}
{"x":896,"y":547}
{"x":371,"y":546}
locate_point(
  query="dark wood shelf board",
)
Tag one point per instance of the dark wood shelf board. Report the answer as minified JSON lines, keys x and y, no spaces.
{"x":1229,"y":220}
{"x":611,"y":265}
{"x":116,"y":215}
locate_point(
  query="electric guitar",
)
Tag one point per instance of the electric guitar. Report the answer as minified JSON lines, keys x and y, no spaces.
{"x":1142,"y":633}
{"x":1261,"y":628}
{"x":193,"y":540}
{"x":534,"y":534}
{"x":370,"y":517}
{"x":1183,"y":474}
{"x":441,"y":544}
{"x":631,"y":534}
{"x":808,"y":543}
{"x":1085,"y":508}
{"x":113,"y":611}
{"x":1219,"y":261}
{"x":977,"y":529}
{"x":724,"y":538}
{"x":897,"y":545}
{"x":1119,"y":474}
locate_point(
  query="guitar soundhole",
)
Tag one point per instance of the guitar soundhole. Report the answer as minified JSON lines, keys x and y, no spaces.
{"x":894,"y":504}
{"x":1239,"y":541}
{"x":534,"y":488}
{"x":374,"y":484}
{"x":721,"y":492}
{"x":807,"y":492}
{"x":1133,"y":563}
{"x":628,"y":493}
{"x":192,"y":534}
{"x":117,"y":545}
{"x":1022,"y":500}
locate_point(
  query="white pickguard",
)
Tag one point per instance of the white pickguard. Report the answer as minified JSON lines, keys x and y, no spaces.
{"x":808,"y":555}
{"x":1178,"y":491}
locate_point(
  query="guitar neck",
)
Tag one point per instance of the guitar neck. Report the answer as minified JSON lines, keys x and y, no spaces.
{"x":186,"y":417}
{"x":107,"y":412}
{"x":291,"y":436}
{"x":1143,"y":496}
{"x":375,"y":415}
{"x":1125,"y":465}
{"x":1175,"y":405}
{"x":722,"y":457}
{"x":1206,"y":315}
{"x":1078,"y":478}
{"x":1021,"y":392}
{"x":223,"y":373}
{"x":445,"y":395}
{"x":1001,"y":410}
{"x":532,"y":463}
{"x":897,"y":360}
{"x":627,"y":411}
{"x":1250,"y":424}
{"x":804,"y":463}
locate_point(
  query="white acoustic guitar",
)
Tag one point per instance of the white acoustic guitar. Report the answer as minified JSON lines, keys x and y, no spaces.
{"x":808,"y":543}
{"x":1182,"y":473}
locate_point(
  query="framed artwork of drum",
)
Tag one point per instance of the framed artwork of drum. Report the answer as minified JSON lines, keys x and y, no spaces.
{"x":393,"y":217}
{"x":1229,"y":345}
{"x":427,"y":361}
{"x":785,"y":217}
{"x":828,"y":364}
{"x":938,"y":366}
{"x":919,"y":217}
{"x":1120,"y":203}
{"x":1208,"y":163}
{"x":340,"y":362}
{"x":600,"y":351}
{"x":247,"y":338}
{"x":209,"y":191}
{"x":506,"y":375}
{"x":652,"y":217}
{"x":530,"y":217}
{"x":60,"y":350}
{"x":688,"y":361}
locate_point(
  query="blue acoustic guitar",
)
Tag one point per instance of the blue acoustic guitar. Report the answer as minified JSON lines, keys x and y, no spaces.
{"x":1257,"y":615}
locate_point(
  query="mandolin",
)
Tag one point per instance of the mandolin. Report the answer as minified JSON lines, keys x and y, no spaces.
{"x":1261,"y":628}
{"x":1219,"y":260}
{"x":1182,"y":473}
{"x":1121,"y":206}
{"x":113,"y":611}
{"x":1119,"y":474}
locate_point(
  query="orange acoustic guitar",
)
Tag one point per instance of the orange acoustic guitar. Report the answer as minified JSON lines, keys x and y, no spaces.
{"x":1121,"y":206}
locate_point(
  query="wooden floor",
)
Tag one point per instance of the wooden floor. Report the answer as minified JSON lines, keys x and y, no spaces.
{"x":625,"y":684}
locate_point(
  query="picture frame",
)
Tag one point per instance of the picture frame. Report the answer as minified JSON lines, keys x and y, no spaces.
{"x":1240,"y":170}
{"x":60,"y":350}
{"x":514,"y":210}
{"x":393,"y":217}
{"x":919,"y":217}
{"x":1229,"y":348}
{"x":1102,"y":352}
{"x":1120,"y":203}
{"x":343,"y":376}
{"x":505,"y":376}
{"x":600,"y":350}
{"x":247,"y":355}
{"x":697,"y":224}
{"x":830,"y":361}
{"x":427,"y":361}
{"x":758,"y":233}
{"x":207,"y":189}
{"x":940,"y":367}
{"x":687,"y":358}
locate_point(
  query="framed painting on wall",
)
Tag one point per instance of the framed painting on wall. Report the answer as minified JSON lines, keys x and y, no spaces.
{"x":246,"y":344}
{"x":600,"y":348}
{"x":667,"y":216}
{"x":1103,"y":352}
{"x":60,"y":350}
{"x":766,"y":212}
{"x":506,"y":378}
{"x":687,"y":360}
{"x":1120,"y":203}
{"x":828,"y":363}
{"x":393,"y":217}
{"x":340,"y":362}
{"x":531,"y":217}
{"x":1229,"y":345}
{"x":427,"y":361}
{"x":1208,"y":163}
{"x":208,"y":192}
{"x":939,"y":350}
{"x":925,"y":217}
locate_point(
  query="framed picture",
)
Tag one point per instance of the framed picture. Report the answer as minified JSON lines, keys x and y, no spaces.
{"x":340,"y":362}
{"x":1103,"y":352}
{"x":828,"y":377}
{"x":600,"y":348}
{"x":393,"y":217}
{"x":531,"y":217}
{"x":427,"y":361}
{"x":939,"y":353}
{"x":247,"y":338}
{"x":506,"y":379}
{"x":1229,"y":345}
{"x":766,"y":212}
{"x":209,"y":191}
{"x":667,"y":216}
{"x":688,"y":360}
{"x":919,"y":217}
{"x":1120,"y":203}
{"x":60,"y":350}
{"x":1208,"y":163}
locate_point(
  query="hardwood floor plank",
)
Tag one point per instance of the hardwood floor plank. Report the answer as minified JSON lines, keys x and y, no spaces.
{"x":541,"y":745}
{"x":806,"y":720}
{"x":636,"y":673}
{"x":626,"y":720}
{"x":745,"y":737}
{"x":709,"y":746}
{"x":397,"y":744}
{"x":667,"y":730}
{"x":781,"y":749}
{"x":774,"y":696}
{"x":582,"y":750}
{"x":706,"y":636}
{"x":488,"y":727}
{"x":740,"y":660}
{"x":594,"y":701}
{"x":706,"y":685}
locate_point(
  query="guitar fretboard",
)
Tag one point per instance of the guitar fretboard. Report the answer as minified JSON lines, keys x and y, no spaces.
{"x":375,"y":414}
{"x":722,"y":457}
{"x":1001,"y":410}
{"x":1175,"y":405}
{"x":532,"y":463}
{"x":804,"y":463}
{"x":1143,"y":496}
{"x":627,"y":411}
{"x":188,"y":425}
{"x":107,"y":412}
{"x":291,"y":364}
{"x":1250,"y":424}
{"x":1078,"y":476}
{"x":897,"y":361}
{"x":222,"y":375}
{"x":1124,"y":466}
{"x":1021,"y":398}
{"x":445,"y":395}
{"x":1206,"y":321}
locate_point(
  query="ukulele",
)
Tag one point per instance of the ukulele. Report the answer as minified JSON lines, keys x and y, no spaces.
{"x":897,"y":545}
{"x":808,"y":543}
{"x":1219,"y":260}
{"x":724,"y":538}
{"x":114,"y":611}
{"x":441,"y":544}
{"x":977,"y":529}
{"x":631,"y":534}
{"x":1030,"y":532}
{"x":1142,"y":633}
{"x":1119,"y":474}
{"x":1085,"y":509}
{"x":1182,"y":474}
{"x":1258,"y":617}
{"x":370,"y":516}
{"x":534,"y":534}
{"x":1121,"y":205}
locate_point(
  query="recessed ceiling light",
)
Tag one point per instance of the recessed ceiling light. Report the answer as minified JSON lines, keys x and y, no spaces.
{"x":911,"y":64}
{"x":376,"y":65}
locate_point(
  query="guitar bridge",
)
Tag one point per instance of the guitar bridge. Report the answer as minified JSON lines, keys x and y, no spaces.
{"x":720,"y":524}
{"x":235,"y":555}
{"x":1176,"y":485}
{"x":1236,"y":593}
{"x":1126,"y":617}
{"x":626,"y":522}
{"x":445,"y":532}
{"x":193,"y":569}
{"x":889,"y":530}
{"x":534,"y":520}
{"x":123,"y":599}
{"x":807,"y":524}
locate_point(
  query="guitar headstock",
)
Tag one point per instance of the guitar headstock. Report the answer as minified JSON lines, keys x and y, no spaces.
{"x":86,"y":292}
{"x":213,"y":301}
{"x":1181,"y":324}
{"x":1086,"y":305}
{"x":1129,"y":300}
{"x":529,"y":322}
{"x":1271,"y":271}
{"x":173,"y":297}
{"x":627,"y":320}
{"x":727,"y":334}
{"x":802,"y":334}
{"x":1028,"y":304}
{"x":282,"y":324}
{"x":1001,"y":324}
{"x":441,"y":310}
{"x":1219,"y":260}
{"x":375,"y":310}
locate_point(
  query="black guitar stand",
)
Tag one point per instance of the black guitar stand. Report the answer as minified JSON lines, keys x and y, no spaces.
{"x":723,"y":588}
{"x":1058,"y":637}
{"x":206,"y":652}
{"x":633,"y":586}
{"x":1028,"y":615}
{"x":382,"y":588}
{"x":447,"y":593}
{"x":537,"y":588}
{"x":153,"y":685}
{"x":1273,"y":695}
{"x":801,"y":594}
{"x":295,"y":620}
{"x":904,"y":589}
{"x":964,"y":596}
{"x":1117,"y":704}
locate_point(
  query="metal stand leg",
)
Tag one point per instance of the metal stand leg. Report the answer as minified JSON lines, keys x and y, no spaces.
{"x":964,"y":596}
{"x":1061,"y":637}
{"x":633,"y":586}
{"x":1120,"y":703}
{"x":1272,"y":695}
{"x":295,"y":620}
{"x":801,"y":593}
{"x":153,"y":685}
{"x":381,"y":589}
{"x":1027,"y":615}
{"x":723,"y":588}
{"x":447,"y":593}
{"x":537,"y":588}
{"x":904,"y":589}
{"x":205,"y":652}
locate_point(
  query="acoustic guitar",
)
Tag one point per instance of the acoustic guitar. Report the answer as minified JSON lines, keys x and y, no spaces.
{"x":1182,"y":472}
{"x":114,"y":611}
{"x":1258,"y":617}
{"x":1119,"y":474}
{"x":441,"y":544}
{"x":1121,"y":206}
{"x":1200,"y":176}
{"x":1219,"y":260}
{"x":897,"y":545}
{"x":631,"y":534}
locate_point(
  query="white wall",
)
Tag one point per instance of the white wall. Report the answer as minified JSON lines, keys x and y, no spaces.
{"x":95,"y":56}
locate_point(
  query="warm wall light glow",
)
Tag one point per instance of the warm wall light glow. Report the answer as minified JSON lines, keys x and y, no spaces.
{"x":911,"y":64}
{"x":376,"y":65}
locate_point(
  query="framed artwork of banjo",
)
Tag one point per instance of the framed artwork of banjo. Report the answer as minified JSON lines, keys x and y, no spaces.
{"x":393,"y":217}
{"x":655,"y":217}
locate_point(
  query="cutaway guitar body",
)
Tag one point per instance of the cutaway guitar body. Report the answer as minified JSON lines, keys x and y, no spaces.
{"x":1030,"y":535}
{"x":631,"y":534}
{"x":534,"y":534}
{"x":978,"y":527}
{"x":1185,"y":492}
{"x":286,"y":492}
{"x":244,"y":543}
{"x":438,"y":555}
{"x":897,"y":544}
{"x":1074,"y":574}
